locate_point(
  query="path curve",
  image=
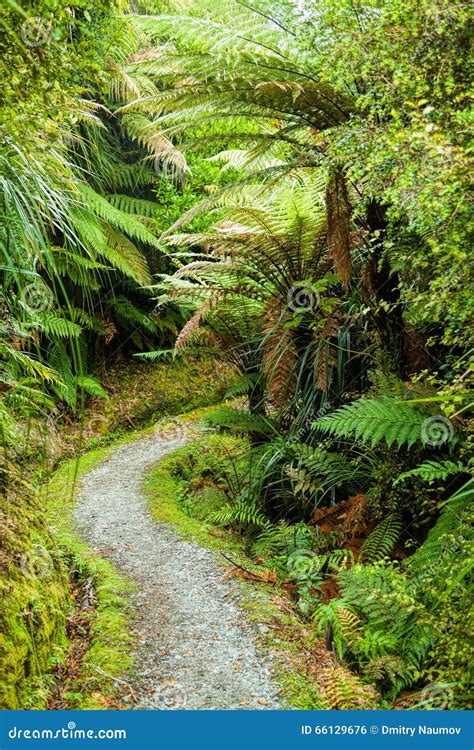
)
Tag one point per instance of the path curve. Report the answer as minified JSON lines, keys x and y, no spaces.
{"x":196,"y":649}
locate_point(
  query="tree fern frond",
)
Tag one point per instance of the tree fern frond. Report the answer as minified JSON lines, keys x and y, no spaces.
{"x":374,"y":420}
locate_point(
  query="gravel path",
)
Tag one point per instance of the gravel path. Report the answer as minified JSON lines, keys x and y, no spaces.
{"x":195,"y":649}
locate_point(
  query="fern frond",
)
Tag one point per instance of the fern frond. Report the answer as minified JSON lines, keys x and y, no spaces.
{"x":345,"y":691}
{"x":383,"y":538}
{"x":374,"y":420}
{"x":429,"y":471}
{"x":244,"y":513}
{"x":131,"y":205}
{"x":59,"y":327}
{"x":239,"y":421}
{"x":91,"y":385}
{"x":117,"y":218}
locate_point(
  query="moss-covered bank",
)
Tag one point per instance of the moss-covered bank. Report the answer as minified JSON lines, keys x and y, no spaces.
{"x":34,"y":597}
{"x":108,"y":655}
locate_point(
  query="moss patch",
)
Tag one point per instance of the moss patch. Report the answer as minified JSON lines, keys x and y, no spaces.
{"x":109,"y":654}
{"x":34,"y":596}
{"x":141,"y":393}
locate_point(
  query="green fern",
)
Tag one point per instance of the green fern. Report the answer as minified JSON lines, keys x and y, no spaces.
{"x":58,"y":358}
{"x":429,"y":471}
{"x":389,"y":669}
{"x":374,"y":420}
{"x":453,"y":527}
{"x":243,"y":386}
{"x":91,"y":385}
{"x":131,"y":205}
{"x":117,"y":218}
{"x":154,"y":356}
{"x":383,"y":538}
{"x":385,"y":601}
{"x":59,"y":327}
{"x":239,"y":421}
{"x":126,"y":312}
{"x":241,"y":513}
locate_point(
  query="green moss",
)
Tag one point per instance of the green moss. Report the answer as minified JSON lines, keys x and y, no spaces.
{"x":167,"y":482}
{"x":182,"y":490}
{"x":109,"y":654}
{"x":34,"y":595}
{"x":142,"y":393}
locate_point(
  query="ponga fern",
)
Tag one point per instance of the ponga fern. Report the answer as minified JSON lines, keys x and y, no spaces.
{"x":383,"y":538}
{"x":372,"y":420}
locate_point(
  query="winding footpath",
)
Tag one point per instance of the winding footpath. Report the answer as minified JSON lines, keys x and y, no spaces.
{"x":195,"y":647}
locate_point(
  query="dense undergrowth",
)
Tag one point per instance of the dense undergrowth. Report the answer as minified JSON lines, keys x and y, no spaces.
{"x":284,"y":187}
{"x":390,"y":622}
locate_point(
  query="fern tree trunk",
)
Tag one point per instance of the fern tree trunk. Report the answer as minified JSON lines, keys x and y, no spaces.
{"x":381,"y":289}
{"x":256,"y":401}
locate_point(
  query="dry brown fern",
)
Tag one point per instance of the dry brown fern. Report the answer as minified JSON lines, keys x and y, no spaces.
{"x":338,"y":226}
{"x":279,"y":352}
{"x":343,"y":690}
{"x":355,"y":514}
{"x":194,"y":322}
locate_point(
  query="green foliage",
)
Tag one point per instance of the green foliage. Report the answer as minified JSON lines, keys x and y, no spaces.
{"x":382,"y":539}
{"x":373,"y":420}
{"x":239,"y":514}
{"x":239,"y":421}
{"x":430,"y":471}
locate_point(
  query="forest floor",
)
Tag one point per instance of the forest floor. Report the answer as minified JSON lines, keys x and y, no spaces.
{"x":196,"y":647}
